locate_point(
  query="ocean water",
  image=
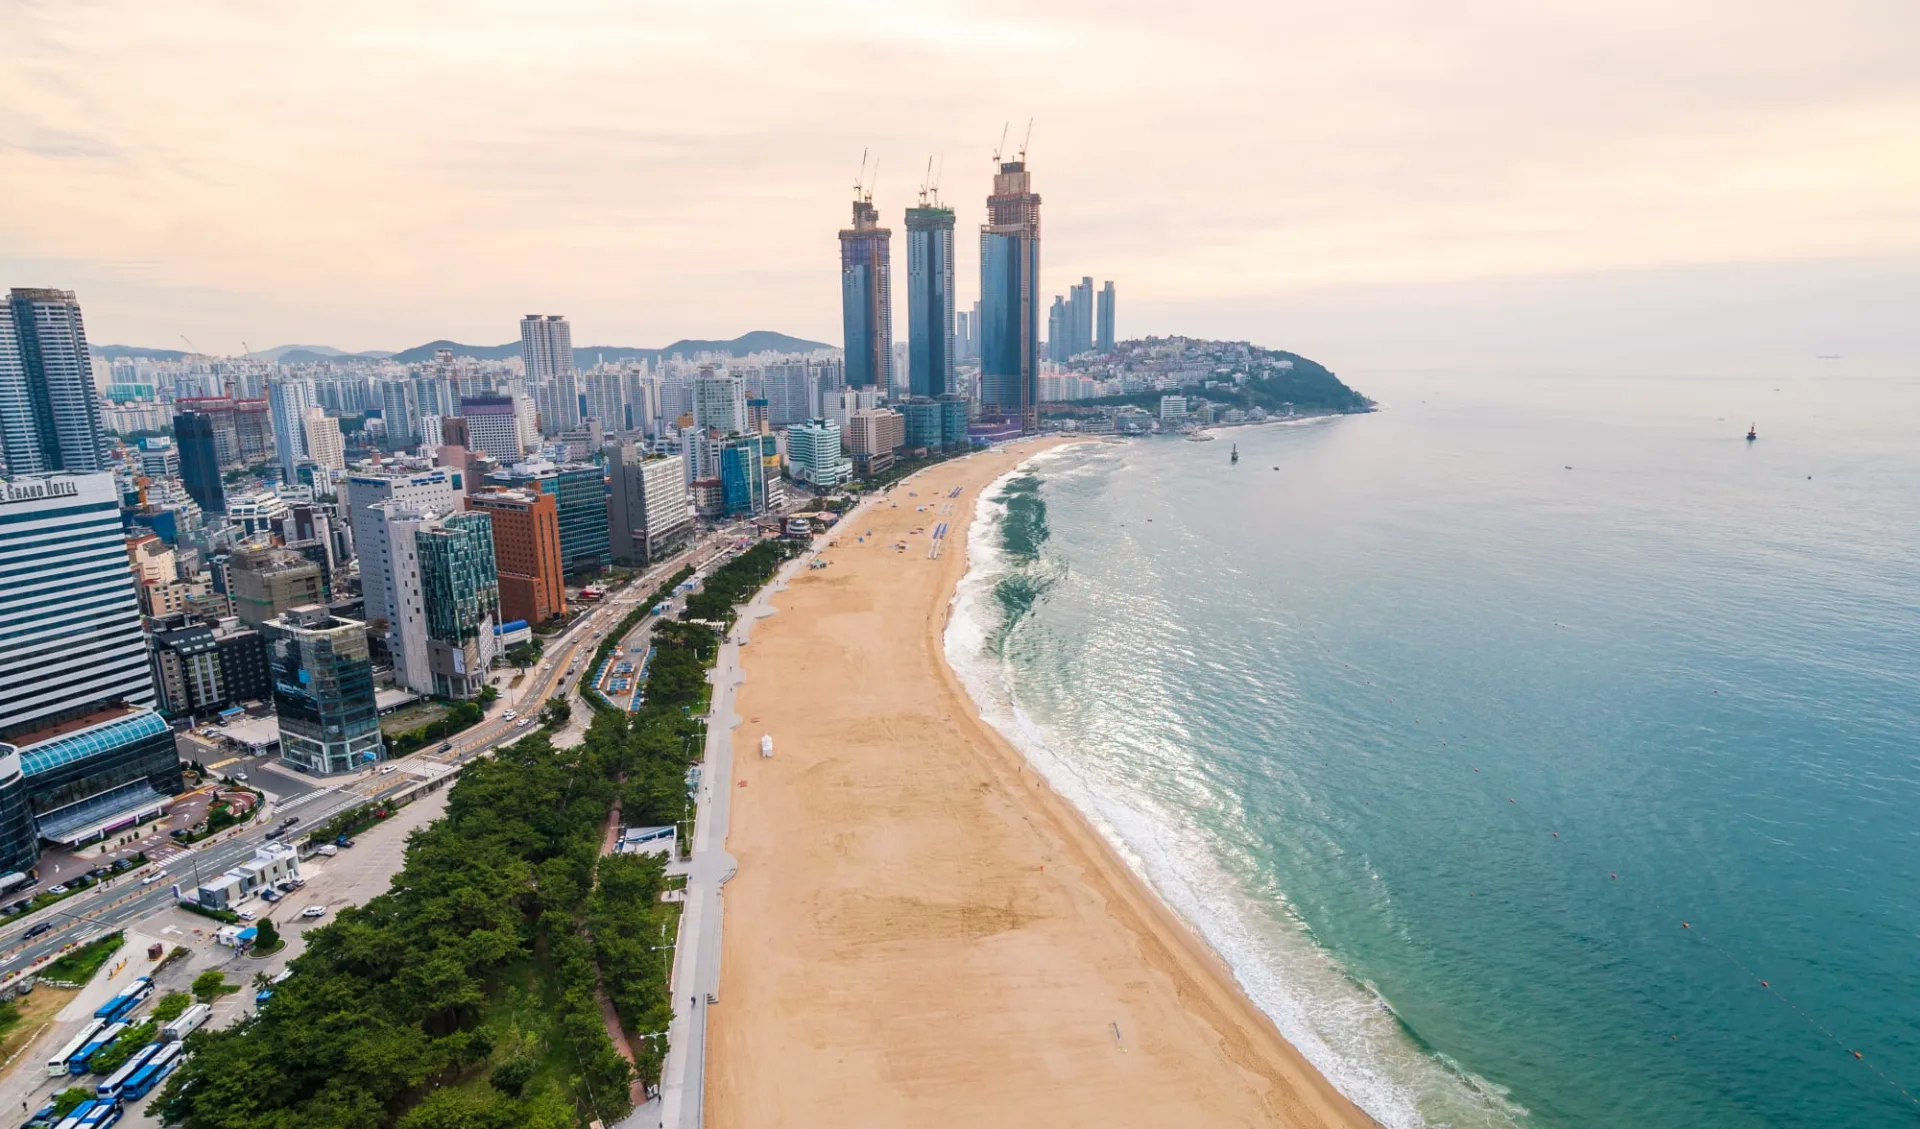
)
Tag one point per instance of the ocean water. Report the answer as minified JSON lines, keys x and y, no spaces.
{"x":1505,"y":741}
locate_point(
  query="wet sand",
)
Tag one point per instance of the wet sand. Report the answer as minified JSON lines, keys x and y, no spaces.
{"x":921,"y":933}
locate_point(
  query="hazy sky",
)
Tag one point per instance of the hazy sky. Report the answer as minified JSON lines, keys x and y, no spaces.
{"x":1315,"y":176}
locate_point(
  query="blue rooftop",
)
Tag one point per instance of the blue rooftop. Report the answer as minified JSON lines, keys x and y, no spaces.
{"x":114,"y":734}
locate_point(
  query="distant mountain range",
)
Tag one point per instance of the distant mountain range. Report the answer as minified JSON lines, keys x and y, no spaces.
{"x":757,"y":341}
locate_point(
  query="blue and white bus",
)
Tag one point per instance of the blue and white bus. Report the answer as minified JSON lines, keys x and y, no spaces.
{"x":122,"y":1005}
{"x":82,"y":1061}
{"x":102,"y":1115}
{"x":153,"y":1073}
{"x":57,"y":1065}
{"x":97,"y":1114}
{"x":117,"y":1081}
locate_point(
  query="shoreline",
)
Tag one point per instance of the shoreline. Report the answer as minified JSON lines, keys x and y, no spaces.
{"x":922,"y":930}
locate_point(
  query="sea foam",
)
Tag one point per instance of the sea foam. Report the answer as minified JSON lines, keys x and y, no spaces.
{"x":1343,"y":1027}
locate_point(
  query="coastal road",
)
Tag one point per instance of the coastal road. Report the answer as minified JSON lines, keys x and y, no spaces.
{"x":105,"y":908}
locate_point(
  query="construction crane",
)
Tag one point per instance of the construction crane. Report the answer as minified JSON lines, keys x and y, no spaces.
{"x":1024,"y":140}
{"x":926,"y":183}
{"x":860,"y":181}
{"x":1001,"y":148}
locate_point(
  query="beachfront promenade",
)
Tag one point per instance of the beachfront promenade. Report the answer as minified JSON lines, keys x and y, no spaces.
{"x":696,"y":964}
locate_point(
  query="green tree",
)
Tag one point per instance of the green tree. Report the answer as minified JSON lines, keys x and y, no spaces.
{"x":267,"y":940}
{"x":512,"y":1076}
{"x":171,"y":1005}
{"x":209,"y":985}
{"x":556,"y":713}
{"x":67,"y":1100}
{"x":116,"y":1054}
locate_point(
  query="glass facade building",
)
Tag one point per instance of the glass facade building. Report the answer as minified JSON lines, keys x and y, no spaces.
{"x":461,"y":595}
{"x":1010,"y":298}
{"x":76,"y":688}
{"x":580,"y":489}
{"x":199,"y":461}
{"x":866,"y":299}
{"x":323,"y":691}
{"x":930,"y":337}
{"x":743,"y":478}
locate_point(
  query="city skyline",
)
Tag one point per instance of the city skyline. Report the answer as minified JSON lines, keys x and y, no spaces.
{"x":1385,"y":164}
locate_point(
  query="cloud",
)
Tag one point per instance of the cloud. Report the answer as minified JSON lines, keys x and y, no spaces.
{"x":375,"y":174}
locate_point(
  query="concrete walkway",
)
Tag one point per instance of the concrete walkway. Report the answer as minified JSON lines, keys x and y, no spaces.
{"x":696,"y":964}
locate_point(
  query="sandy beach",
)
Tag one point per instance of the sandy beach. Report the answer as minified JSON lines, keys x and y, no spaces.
{"x":921,"y":933}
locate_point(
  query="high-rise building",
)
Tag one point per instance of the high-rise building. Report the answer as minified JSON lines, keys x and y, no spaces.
{"x":266,"y":581}
{"x":814,"y":456}
{"x":930,"y":299}
{"x":437,"y":490}
{"x":743,"y":474}
{"x":324,"y":444}
{"x":866,"y":298}
{"x":288,"y":400}
{"x":1010,"y":297}
{"x":159,"y":458}
{"x":580,"y":492}
{"x":1059,"y":330}
{"x":493,"y":426}
{"x":199,"y":463}
{"x":789,"y":392}
{"x":873,"y":435}
{"x":1081,"y":305}
{"x":461,"y":594}
{"x":399,"y":412}
{"x":649,"y":510}
{"x":720,"y":402}
{"x":49,"y":414}
{"x":76,"y":688}
{"x":935,"y":424}
{"x":526,"y":553}
{"x":445,"y":598}
{"x":546,"y":348}
{"x":1103,"y":337}
{"x":323,"y":691}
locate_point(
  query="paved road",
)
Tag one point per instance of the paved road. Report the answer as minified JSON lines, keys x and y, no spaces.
{"x":106,"y":908}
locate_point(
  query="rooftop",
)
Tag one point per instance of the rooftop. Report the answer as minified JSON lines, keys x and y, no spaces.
{"x":54,"y":730}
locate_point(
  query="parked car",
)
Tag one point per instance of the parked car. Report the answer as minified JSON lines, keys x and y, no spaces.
{"x":270,"y":896}
{"x":98,"y":873}
{"x":327,"y":849}
{"x":243,"y":914}
{"x":314,"y":911}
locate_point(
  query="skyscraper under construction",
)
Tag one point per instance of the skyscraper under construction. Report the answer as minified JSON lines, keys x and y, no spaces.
{"x":866,"y":298}
{"x":1010,"y":296}
{"x":930,"y":298}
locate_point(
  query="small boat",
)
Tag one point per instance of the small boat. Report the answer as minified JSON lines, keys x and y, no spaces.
{"x":1752,"y":433}
{"x":1199,"y":437}
{"x":1235,"y":456}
